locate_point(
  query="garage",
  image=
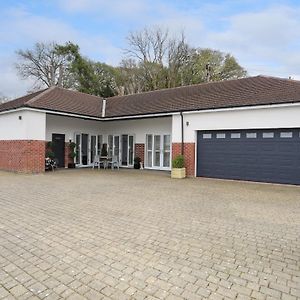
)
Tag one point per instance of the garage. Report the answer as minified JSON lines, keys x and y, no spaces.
{"x":271,"y":155}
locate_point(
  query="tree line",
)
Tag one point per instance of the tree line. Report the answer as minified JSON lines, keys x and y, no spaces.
{"x":153,"y":60}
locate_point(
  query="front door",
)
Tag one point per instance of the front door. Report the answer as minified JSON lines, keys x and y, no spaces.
{"x":58,"y":149}
{"x":158,"y":151}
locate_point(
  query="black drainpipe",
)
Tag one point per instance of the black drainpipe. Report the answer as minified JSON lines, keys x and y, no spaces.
{"x":182,"y":134}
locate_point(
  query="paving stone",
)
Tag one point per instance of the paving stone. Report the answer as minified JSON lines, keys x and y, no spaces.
{"x":144,"y":236}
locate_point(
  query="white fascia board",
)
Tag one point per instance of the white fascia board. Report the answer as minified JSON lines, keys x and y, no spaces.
{"x":242,"y":108}
{"x":151,"y":115}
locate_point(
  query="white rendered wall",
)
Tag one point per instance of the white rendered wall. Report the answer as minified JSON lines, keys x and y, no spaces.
{"x":32,"y":125}
{"x":70,"y":126}
{"x":271,"y":117}
{"x":139,"y":128}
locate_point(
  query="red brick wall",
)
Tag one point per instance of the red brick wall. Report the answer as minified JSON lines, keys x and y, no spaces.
{"x":68,"y":159}
{"x":140,"y":151}
{"x":189,"y":156}
{"x":22,"y":156}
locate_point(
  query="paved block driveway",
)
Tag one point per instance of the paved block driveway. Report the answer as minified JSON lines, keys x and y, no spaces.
{"x":86,"y":234}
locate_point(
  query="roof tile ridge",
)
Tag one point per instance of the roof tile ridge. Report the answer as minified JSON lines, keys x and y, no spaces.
{"x":82,"y":93}
{"x":32,"y":100}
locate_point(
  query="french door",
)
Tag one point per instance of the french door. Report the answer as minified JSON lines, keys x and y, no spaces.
{"x":87,"y":147}
{"x":93,"y":148}
{"x":127,"y":150}
{"x":114,"y":146}
{"x":158,"y":151}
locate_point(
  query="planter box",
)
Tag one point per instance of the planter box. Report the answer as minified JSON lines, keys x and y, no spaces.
{"x":178,"y":173}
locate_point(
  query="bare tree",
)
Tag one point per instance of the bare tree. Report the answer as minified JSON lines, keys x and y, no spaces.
{"x":44,"y":64}
{"x":3,"y":98}
{"x":158,"y":55}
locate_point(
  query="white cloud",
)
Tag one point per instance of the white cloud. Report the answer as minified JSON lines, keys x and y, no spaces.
{"x":25,"y":29}
{"x":263,"y":41}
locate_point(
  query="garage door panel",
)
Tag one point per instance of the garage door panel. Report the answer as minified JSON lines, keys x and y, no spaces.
{"x":258,"y":155}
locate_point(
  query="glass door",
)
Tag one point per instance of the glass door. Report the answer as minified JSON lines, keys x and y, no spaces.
{"x":84,"y":149}
{"x":166,"y":151}
{"x":78,"y":149}
{"x":127,"y":155}
{"x":149,"y":147}
{"x":93,"y":148}
{"x":130,"y":150}
{"x":124,"y":149}
{"x":116,"y":147}
{"x":157,"y":151}
{"x":99,"y":144}
{"x":110,"y":143}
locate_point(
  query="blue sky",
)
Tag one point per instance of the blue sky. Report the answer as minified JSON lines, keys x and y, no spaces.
{"x":263,"y":35}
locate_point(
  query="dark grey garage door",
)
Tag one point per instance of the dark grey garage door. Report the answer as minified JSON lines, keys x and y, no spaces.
{"x":257,"y":155}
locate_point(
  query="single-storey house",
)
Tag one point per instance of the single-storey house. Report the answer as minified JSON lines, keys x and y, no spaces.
{"x":246,"y":129}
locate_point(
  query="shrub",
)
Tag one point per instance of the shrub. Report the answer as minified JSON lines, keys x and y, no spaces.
{"x":72,"y":146}
{"x":50,"y":154}
{"x":50,"y":145}
{"x":178,"y":162}
{"x":73,"y":154}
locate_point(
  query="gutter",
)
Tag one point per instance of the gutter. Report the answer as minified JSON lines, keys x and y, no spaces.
{"x":103,"y":108}
{"x":151,"y":115}
{"x":182,"y":134}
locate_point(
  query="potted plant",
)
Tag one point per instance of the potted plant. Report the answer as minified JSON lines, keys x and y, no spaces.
{"x":72,"y":155}
{"x":50,"y":145}
{"x":178,"y":169}
{"x":137,"y":163}
{"x":50,"y":154}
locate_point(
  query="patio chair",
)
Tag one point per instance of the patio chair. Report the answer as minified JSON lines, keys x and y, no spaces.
{"x":104,"y":161}
{"x":96,"y":162}
{"x":114,"y":162}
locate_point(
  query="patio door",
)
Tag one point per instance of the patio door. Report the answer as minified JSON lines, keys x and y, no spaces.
{"x":84,"y":149}
{"x":127,"y":154}
{"x":78,"y":149}
{"x":114,"y":146}
{"x":93,"y":148}
{"x":158,"y":151}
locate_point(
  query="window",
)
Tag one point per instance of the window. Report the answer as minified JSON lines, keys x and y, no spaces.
{"x":268,"y":135}
{"x":251,"y":135}
{"x":206,"y":135}
{"x":221,"y":135}
{"x":235,"y":135}
{"x":286,"y":134}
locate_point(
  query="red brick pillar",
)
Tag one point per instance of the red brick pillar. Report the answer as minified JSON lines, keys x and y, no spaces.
{"x":189,"y":156}
{"x":68,"y":159}
{"x":139,"y":151}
